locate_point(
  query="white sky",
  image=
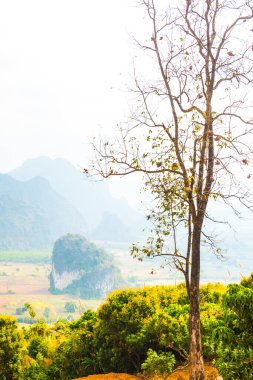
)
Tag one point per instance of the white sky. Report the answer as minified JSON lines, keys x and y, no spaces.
{"x":60,"y":62}
{"x":63,"y":67}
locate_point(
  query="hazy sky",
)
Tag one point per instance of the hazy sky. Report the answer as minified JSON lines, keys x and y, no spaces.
{"x":61,"y":65}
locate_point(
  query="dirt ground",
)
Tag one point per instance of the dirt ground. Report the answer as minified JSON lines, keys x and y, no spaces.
{"x":211,"y":373}
{"x":110,"y":376}
{"x":183,"y":374}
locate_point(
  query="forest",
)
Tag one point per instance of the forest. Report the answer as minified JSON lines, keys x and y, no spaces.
{"x":143,"y":330}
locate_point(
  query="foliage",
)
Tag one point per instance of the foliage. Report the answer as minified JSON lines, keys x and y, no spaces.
{"x":158,"y":364}
{"x":30,"y":309}
{"x":37,"y":345}
{"x":132,"y":321}
{"x":70,"y":307}
{"x":10,"y":348}
{"x":133,"y":330}
{"x":75,"y":356}
{"x":47,"y":313}
{"x":235,"y":334}
{"x":20,"y":310}
{"x":34,"y":372}
{"x":74,"y":252}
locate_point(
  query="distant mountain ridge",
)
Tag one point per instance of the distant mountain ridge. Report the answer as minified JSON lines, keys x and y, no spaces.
{"x":45,"y":199}
{"x":92,"y":199}
{"x":33,"y":215}
{"x":111,"y":228}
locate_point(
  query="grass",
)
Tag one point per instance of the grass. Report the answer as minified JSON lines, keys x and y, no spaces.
{"x":26,"y":256}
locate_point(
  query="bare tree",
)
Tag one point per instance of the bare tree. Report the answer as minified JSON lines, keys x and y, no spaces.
{"x":189,"y":134}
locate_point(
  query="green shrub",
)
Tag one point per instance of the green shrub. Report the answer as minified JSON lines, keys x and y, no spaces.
{"x":158,"y":364}
{"x":235,"y":334}
{"x":10,"y":348}
{"x":34,"y":372}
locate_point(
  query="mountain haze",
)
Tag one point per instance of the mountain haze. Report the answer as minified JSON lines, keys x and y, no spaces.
{"x":92,"y":199}
{"x":112,"y":228}
{"x":33,"y":215}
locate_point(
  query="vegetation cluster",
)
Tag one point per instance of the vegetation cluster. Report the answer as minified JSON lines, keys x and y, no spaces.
{"x":135,"y":330}
{"x":187,"y":133}
{"x":94,"y":273}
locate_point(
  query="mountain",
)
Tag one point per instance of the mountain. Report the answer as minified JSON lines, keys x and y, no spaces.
{"x":91,"y":198}
{"x":112,"y":228}
{"x":33,"y":215}
{"x":79,"y":267}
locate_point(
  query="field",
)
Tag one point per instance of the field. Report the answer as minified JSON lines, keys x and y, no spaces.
{"x":28,"y":282}
{"x":25,"y":256}
{"x":24,"y":278}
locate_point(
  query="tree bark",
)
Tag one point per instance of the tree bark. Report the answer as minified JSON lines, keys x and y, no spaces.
{"x":196,"y":357}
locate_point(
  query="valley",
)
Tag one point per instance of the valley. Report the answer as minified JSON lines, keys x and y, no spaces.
{"x":24,"y":277}
{"x":28,"y":282}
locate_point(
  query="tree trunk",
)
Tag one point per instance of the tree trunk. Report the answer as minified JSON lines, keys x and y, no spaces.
{"x":196,"y":357}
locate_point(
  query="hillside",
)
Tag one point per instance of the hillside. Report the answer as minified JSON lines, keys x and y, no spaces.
{"x":91,"y":198}
{"x":33,"y":215}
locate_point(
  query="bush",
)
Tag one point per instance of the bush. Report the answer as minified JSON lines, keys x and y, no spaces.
{"x":158,"y":364}
{"x":70,"y":307}
{"x":145,"y":328}
{"x":75,"y":356}
{"x":20,"y":310}
{"x":132,"y":321}
{"x":235,"y":334}
{"x":10,"y":348}
{"x":34,"y":372}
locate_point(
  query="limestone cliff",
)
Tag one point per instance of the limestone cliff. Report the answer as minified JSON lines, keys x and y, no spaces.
{"x":81,"y":268}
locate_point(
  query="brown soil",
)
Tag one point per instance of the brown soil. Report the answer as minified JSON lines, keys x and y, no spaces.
{"x":110,"y":376}
{"x":211,"y":373}
{"x":183,"y":374}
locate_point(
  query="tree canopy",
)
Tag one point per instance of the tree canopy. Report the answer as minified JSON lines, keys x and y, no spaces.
{"x":189,"y":134}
